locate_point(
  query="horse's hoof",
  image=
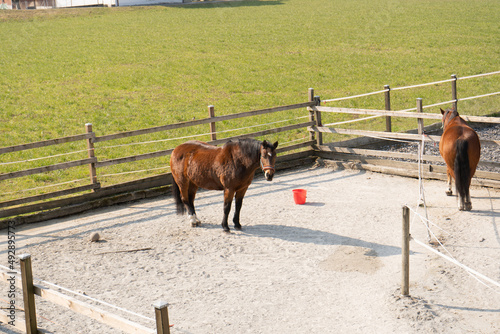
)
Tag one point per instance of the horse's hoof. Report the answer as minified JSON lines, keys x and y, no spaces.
{"x":226,"y":231}
{"x":237,"y":227}
{"x":449,"y":192}
{"x":194,"y":221}
{"x":468,"y":206}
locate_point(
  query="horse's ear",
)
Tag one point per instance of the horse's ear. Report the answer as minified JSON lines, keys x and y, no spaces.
{"x":264,"y":143}
{"x":275,"y":145}
{"x":442,"y":111}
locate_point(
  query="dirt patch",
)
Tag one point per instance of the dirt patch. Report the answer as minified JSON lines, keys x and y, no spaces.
{"x":349,"y":259}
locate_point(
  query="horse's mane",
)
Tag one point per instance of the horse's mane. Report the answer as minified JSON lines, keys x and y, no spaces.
{"x":452,"y":114}
{"x":249,"y":147}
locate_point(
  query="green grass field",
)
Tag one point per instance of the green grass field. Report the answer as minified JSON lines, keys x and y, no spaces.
{"x":129,"y":68}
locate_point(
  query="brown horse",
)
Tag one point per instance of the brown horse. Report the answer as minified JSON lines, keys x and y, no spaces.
{"x":460,"y":149}
{"x":231,"y":168}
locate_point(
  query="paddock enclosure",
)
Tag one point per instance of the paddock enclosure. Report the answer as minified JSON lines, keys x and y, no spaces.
{"x":331,"y":263}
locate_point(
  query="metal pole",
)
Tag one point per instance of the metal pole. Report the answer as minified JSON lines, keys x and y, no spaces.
{"x":454,"y":96}
{"x":388,"y":120}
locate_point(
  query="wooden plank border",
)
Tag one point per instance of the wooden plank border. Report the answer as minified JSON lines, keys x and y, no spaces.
{"x":48,"y":195}
{"x":141,"y":184}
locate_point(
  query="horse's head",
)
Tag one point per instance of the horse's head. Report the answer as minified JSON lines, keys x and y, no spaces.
{"x":448,"y":115}
{"x":268,"y":158}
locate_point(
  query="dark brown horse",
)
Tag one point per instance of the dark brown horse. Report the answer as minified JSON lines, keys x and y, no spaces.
{"x":231,"y":168}
{"x":460,"y":149}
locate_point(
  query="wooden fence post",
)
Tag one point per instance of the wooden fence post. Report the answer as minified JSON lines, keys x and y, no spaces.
{"x":405,"y":253}
{"x":454,"y":96}
{"x":388,"y":120}
{"x":319,"y":138}
{"x":91,"y":154}
{"x":420,"y":121}
{"x":28,"y":294}
{"x":312,"y":134}
{"x":161,"y":313}
{"x":211,"y":113}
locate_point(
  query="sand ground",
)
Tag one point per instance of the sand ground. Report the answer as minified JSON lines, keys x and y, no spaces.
{"x":332,"y":265}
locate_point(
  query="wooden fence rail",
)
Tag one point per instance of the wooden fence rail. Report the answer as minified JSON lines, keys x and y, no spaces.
{"x":406,"y":114}
{"x":44,"y":143}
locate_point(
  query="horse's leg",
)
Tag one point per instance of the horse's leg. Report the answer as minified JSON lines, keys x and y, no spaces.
{"x":191,"y":211}
{"x":468,"y":203}
{"x":474,"y":155}
{"x":449,"y":192}
{"x":238,"y":198}
{"x":228,"y":198}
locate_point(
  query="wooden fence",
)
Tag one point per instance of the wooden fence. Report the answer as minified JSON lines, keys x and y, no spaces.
{"x":29,"y":290}
{"x":380,"y":161}
{"x":71,"y":200}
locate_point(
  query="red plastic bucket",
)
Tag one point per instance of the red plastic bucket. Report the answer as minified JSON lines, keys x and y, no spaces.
{"x":299,"y":196}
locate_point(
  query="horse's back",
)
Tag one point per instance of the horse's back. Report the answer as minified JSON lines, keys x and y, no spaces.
{"x":194,"y":162}
{"x":460,"y":131}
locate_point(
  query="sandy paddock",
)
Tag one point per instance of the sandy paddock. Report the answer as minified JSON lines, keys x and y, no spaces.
{"x":332,"y":265}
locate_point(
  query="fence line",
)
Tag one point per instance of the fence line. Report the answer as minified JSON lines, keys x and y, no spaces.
{"x":30,"y":290}
{"x":456,"y":262}
{"x":479,"y":96}
{"x":455,"y":78}
{"x":44,"y":143}
{"x":405,"y":257}
{"x":479,"y":75}
{"x":41,"y":158}
{"x":354,"y":96}
{"x":423,"y":85}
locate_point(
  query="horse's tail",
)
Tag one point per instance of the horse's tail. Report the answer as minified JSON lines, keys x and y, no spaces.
{"x":462,"y":168}
{"x":181,"y":209}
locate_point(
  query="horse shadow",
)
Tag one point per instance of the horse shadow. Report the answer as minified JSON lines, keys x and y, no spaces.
{"x":310,"y":236}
